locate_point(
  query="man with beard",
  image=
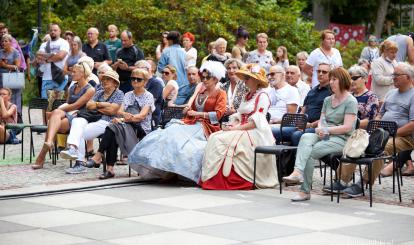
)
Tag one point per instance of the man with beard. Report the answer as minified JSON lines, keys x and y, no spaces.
{"x":54,"y":51}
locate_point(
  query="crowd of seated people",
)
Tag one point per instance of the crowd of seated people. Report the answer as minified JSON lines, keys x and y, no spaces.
{"x":113,"y":92}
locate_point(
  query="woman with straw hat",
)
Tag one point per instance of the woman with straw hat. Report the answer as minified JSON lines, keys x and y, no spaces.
{"x":229,"y":154}
{"x":105,"y":102}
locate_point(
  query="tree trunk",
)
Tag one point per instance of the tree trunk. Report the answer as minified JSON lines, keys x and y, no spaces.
{"x":381,"y":13}
{"x":320,"y":13}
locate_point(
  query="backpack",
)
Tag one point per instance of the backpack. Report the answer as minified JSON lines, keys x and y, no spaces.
{"x":377,"y":142}
{"x":356,"y":144}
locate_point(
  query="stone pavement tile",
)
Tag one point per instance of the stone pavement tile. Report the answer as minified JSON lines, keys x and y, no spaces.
{"x":249,"y":231}
{"x":106,"y":230}
{"x":54,"y":218}
{"x":196,"y":201}
{"x":318,"y":220}
{"x":382,"y":231}
{"x":7,"y":227}
{"x":407,"y":243}
{"x":185,"y":219}
{"x":18,"y":206}
{"x":93,"y":243}
{"x":127,"y":209}
{"x":317,"y":238}
{"x":39,"y":237}
{"x":257,"y":210}
{"x":74,"y":200}
{"x":173,"y":237}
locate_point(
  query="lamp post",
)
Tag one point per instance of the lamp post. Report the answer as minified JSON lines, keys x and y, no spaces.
{"x":39,"y":16}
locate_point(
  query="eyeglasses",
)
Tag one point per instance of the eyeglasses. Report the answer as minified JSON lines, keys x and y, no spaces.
{"x":137,"y":79}
{"x":205,"y":75}
{"x":271,"y":74}
{"x":354,"y":78}
{"x":398,"y":74}
{"x":322,"y":71}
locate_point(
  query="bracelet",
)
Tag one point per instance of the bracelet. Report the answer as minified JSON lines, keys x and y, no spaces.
{"x":96,"y":105}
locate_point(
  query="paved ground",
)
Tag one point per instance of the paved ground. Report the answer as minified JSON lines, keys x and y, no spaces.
{"x":184,"y":214}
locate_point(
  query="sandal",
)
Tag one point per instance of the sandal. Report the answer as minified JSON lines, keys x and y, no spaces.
{"x":107,"y":175}
{"x":408,"y":172}
{"x":92,"y":164}
{"x":37,"y":166}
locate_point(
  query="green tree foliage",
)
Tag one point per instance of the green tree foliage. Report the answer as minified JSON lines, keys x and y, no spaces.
{"x":208,"y":20}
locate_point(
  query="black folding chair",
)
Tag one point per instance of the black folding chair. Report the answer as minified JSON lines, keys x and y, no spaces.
{"x":55,"y":154}
{"x":169,"y":113}
{"x":36,"y":104}
{"x":368,"y":160}
{"x":288,"y":120}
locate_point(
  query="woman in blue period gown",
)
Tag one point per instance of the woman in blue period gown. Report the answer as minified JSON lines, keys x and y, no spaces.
{"x":180,"y":147}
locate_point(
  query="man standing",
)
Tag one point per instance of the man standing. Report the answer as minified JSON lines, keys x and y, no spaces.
{"x":96,"y":49}
{"x":293,"y":78}
{"x":174,"y":55}
{"x":405,"y":47}
{"x":54,"y":51}
{"x":185,"y":92}
{"x":125,"y":60}
{"x":113,"y":43}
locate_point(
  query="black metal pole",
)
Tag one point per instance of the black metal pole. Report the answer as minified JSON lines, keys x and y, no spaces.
{"x":39,"y":16}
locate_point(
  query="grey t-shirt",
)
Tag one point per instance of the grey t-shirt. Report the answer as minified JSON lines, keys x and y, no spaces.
{"x":9,"y":58}
{"x":398,"y":107}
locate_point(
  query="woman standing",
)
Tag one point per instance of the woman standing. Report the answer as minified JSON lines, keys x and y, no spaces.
{"x":190,"y":51}
{"x":179,"y":148}
{"x":326,"y":53}
{"x":133,"y":124}
{"x":338,"y":117}
{"x":239,"y":50}
{"x":282,"y":57}
{"x":60,"y":120}
{"x":229,"y":155}
{"x":163,"y":45}
{"x":383,"y":68}
{"x":301,"y":58}
{"x":261,"y":56}
{"x":219,"y":53}
{"x":10,"y":62}
{"x":74,"y":56}
{"x":8,"y":114}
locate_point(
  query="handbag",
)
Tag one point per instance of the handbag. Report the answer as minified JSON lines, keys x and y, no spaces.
{"x":135,"y":109}
{"x":92,"y":115}
{"x":57,"y":74}
{"x":13,"y":80}
{"x":356,"y":144}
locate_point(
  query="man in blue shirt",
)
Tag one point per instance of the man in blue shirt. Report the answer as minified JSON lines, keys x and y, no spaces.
{"x":174,"y":55}
{"x":185,"y":92}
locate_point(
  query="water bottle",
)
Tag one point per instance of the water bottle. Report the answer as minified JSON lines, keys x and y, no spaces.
{"x":324,"y":126}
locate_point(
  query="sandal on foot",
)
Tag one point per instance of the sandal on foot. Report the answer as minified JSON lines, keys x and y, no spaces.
{"x":107,"y":175}
{"x":37,"y":166}
{"x":408,"y":172}
{"x":92,"y":164}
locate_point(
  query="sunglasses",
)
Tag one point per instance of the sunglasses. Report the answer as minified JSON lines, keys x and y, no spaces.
{"x":354,"y":78}
{"x":271,"y":74}
{"x":137,"y":79}
{"x":165,"y":73}
{"x":322,"y":71}
{"x":205,"y":75}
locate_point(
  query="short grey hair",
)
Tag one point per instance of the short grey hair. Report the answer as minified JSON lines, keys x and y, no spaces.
{"x":296,"y":68}
{"x":303,"y":54}
{"x":143,"y":63}
{"x":191,"y":67}
{"x":77,"y":40}
{"x":233,"y":60}
{"x":407,"y":69}
{"x":219,"y":41}
{"x":7,"y":37}
{"x":358,"y":71}
{"x":279,"y":69}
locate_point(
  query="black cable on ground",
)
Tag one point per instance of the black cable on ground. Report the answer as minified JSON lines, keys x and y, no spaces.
{"x":78,"y":189}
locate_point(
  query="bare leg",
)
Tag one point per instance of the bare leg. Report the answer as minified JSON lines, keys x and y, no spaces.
{"x":2,"y":139}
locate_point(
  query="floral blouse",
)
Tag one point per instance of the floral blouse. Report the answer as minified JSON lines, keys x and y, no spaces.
{"x":236,"y":97}
{"x":368,"y":105}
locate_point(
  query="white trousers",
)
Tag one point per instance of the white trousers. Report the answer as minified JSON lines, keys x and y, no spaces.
{"x":81,"y":130}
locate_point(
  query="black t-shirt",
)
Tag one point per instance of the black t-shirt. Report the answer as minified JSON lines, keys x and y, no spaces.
{"x":98,"y":53}
{"x":314,"y":102}
{"x":130,"y":56}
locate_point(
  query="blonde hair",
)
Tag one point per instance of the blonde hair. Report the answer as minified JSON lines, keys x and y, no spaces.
{"x":261,"y":35}
{"x":388,"y":45}
{"x":142,"y":72}
{"x":285,"y":54}
{"x":8,"y":90}
{"x":112,"y":26}
{"x":173,"y":70}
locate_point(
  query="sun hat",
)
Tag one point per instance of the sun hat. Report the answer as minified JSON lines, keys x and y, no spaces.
{"x":254,"y":71}
{"x":112,"y":74}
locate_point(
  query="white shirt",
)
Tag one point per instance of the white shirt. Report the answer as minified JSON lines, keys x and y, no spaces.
{"x":190,"y":57}
{"x":303,"y":89}
{"x":55,"y":46}
{"x":280,"y":98}
{"x":317,"y":57}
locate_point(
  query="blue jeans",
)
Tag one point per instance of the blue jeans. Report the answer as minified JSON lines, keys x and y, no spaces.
{"x":52,"y":85}
{"x":290,"y":134}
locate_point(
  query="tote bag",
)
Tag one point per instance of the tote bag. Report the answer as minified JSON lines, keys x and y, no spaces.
{"x":13,"y":80}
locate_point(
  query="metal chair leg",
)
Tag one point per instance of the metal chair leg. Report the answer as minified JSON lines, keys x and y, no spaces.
{"x":370,"y":184}
{"x":4,"y":144}
{"x":23,"y":143}
{"x":254,"y":172}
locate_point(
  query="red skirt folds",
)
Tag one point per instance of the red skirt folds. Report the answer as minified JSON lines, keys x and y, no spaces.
{"x":232,"y":182}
